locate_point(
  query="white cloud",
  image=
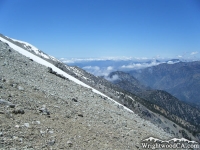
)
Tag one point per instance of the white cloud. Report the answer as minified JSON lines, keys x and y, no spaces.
{"x":113,"y":78}
{"x":194,"y":53}
{"x":109,"y":68}
{"x":97,"y":71}
{"x":140,"y":65}
{"x":75,"y":60}
{"x":170,"y":62}
{"x":96,"y":68}
{"x":131,"y":66}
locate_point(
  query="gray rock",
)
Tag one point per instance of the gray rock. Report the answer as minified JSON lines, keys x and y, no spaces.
{"x":80,"y":115}
{"x":50,"y":70}
{"x":51,"y":142}
{"x":74,"y":99}
{"x":69,"y":143}
{"x":14,"y":85}
{"x":20,"y":88}
{"x":27,"y":125}
{"x":5,"y":102}
{"x":18,"y":111}
{"x":4,"y":80}
{"x":44,"y":110}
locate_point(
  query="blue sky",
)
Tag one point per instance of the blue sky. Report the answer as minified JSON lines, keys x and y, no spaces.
{"x":105,"y":28}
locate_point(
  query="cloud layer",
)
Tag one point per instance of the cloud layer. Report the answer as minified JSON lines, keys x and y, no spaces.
{"x":104,"y":66}
{"x":140,"y":65}
{"x":96,"y":70}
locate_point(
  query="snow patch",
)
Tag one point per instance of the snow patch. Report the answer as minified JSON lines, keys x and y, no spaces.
{"x":30,"y":47}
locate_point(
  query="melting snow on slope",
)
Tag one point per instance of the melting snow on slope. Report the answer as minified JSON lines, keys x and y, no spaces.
{"x":47,"y":64}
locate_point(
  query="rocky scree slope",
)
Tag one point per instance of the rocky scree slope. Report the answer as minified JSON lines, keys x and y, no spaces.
{"x":145,"y":108}
{"x":40,"y":110}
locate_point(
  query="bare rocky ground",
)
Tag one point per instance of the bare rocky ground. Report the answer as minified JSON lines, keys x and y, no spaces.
{"x":39,"y":110}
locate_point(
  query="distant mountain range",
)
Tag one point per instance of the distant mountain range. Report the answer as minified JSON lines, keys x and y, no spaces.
{"x":182,"y":79}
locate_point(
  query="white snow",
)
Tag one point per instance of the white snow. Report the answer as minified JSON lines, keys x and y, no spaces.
{"x":47,"y":64}
{"x":33,"y":48}
{"x":53,"y":58}
{"x":131,"y":98}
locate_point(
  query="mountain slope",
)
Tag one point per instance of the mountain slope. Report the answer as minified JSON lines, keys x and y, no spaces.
{"x":184,"y":115}
{"x":47,"y":64}
{"x":41,"y":109}
{"x":127,"y":82}
{"x":182,"y":79}
{"x":161,"y":101}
